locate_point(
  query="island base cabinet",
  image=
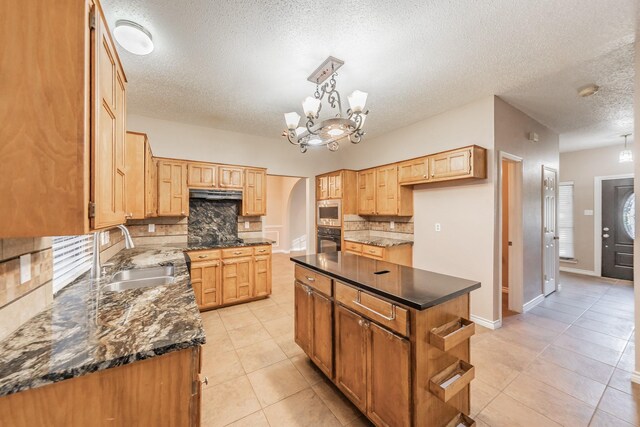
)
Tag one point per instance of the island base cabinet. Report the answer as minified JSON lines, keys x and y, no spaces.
{"x":313,"y":326}
{"x":373,"y":369}
{"x":160,"y":391}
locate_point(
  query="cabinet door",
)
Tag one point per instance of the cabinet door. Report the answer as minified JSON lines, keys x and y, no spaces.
{"x":367,"y":192}
{"x":135,"y":175}
{"x":196,"y":281}
{"x":201,"y":175}
{"x":108,"y":138}
{"x":254,"y":200}
{"x":173,"y":194}
{"x":322,"y":190}
{"x":211,"y":289}
{"x":150,"y":183}
{"x":351,"y":360}
{"x":388,"y":399}
{"x":451,"y":164}
{"x":237,"y":281}
{"x":387,"y":190}
{"x":335,"y":186}
{"x":230,"y":177}
{"x":322,"y":333}
{"x":262,"y":269}
{"x":413,"y":171}
{"x":303,"y":313}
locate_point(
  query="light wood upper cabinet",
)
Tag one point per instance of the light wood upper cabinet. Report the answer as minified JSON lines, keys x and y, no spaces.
{"x":467,"y":162}
{"x":108,"y":144}
{"x":330,"y":186}
{"x":367,"y":192}
{"x":335,"y":186}
{"x":150,"y":182}
{"x":173,"y":194}
{"x":387,"y":190}
{"x":135,"y":175}
{"x":230,"y":177}
{"x":412,"y":171}
{"x":254,"y":199}
{"x":322,"y":187}
{"x":201,"y":175}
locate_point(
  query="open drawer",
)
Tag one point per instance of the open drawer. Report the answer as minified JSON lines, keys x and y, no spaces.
{"x":461,"y":420}
{"x":452,"y":333}
{"x":451,"y":380}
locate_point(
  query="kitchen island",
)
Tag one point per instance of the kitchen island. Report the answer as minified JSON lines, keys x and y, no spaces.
{"x":394,"y":339}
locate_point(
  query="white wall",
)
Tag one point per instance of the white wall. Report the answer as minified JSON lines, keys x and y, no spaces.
{"x":464,"y":247}
{"x":298,"y":238}
{"x":279,"y":193}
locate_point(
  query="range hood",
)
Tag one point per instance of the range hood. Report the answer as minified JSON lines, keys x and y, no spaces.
{"x":216,"y":194}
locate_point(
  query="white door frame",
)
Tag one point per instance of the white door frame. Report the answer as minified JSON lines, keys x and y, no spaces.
{"x":516,"y":258}
{"x":597,"y":218}
{"x":557,"y":242}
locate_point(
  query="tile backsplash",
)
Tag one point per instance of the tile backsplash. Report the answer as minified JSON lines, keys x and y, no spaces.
{"x":378,"y":226}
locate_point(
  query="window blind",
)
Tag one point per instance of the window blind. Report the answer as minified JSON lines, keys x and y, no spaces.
{"x":565,"y":220}
{"x":71,"y":258}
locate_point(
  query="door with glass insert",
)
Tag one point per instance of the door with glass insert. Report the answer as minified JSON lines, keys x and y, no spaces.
{"x":618,"y":228}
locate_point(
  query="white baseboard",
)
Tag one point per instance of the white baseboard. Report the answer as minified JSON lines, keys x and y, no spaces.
{"x":491,"y":324}
{"x":635,"y":377}
{"x":579,"y":271}
{"x":529,"y":305}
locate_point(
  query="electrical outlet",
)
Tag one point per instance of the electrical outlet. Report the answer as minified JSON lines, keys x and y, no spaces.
{"x":152,"y":228}
{"x":392,"y":225}
{"x":105,"y":238}
{"x":25,"y":268}
{"x":247,"y":225}
{"x":588,"y":212}
{"x":438,"y":228}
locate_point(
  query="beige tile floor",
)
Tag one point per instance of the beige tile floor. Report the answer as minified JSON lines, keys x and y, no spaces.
{"x":567,"y":362}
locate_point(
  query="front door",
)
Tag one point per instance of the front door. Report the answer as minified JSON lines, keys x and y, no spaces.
{"x":618,"y":215}
{"x":550,"y":254}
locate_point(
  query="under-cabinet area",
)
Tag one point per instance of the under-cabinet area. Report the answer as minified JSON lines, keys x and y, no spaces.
{"x":401,"y":357}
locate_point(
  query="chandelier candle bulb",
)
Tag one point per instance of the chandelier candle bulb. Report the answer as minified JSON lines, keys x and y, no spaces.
{"x":310,"y":106}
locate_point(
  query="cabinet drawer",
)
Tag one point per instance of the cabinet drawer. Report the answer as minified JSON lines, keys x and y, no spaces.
{"x":390,"y":315}
{"x":313,"y":279}
{"x":373,"y":251}
{"x":235,"y":252}
{"x":262,"y":250}
{"x":352,"y":246}
{"x":203,"y":255}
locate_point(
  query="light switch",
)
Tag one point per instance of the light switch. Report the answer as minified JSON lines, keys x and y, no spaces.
{"x":588,"y":212}
{"x":25,"y":268}
{"x":152,"y":228}
{"x":392,"y":225}
{"x":246,"y":225}
{"x":438,"y":226}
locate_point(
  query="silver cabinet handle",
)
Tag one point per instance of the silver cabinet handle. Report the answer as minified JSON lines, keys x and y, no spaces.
{"x":307,"y":289}
{"x":237,"y":253}
{"x":363,"y":323}
{"x":605,"y":235}
{"x":202,"y":256}
{"x":262,"y":250}
{"x":393,"y":309}
{"x":311,"y":279}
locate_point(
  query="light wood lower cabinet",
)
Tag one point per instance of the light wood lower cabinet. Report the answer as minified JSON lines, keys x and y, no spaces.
{"x":400,"y":254}
{"x":313,"y":326}
{"x":159,"y":391}
{"x":230,"y":276}
{"x":399,"y":366}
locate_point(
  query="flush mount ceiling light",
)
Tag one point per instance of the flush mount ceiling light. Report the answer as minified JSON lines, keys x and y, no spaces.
{"x":332,"y":130}
{"x":626,"y":155}
{"x":588,"y":90}
{"x":133,"y":37}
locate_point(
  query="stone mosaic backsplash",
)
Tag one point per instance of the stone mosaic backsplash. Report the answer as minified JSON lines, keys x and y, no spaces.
{"x":378,"y":226}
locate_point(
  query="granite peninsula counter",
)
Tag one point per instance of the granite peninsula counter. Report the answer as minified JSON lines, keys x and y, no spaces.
{"x":394,"y":339}
{"x":86,"y":330}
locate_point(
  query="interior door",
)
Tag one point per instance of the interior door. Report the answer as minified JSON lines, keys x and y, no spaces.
{"x":618,"y":230}
{"x":550,"y":254}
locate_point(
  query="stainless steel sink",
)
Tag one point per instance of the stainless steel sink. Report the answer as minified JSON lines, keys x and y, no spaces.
{"x":141,"y":278}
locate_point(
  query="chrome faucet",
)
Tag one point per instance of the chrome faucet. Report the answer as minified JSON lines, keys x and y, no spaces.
{"x":95,"y":257}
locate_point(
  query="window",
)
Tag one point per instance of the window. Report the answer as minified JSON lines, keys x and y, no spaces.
{"x":565,"y":220}
{"x":71,"y":258}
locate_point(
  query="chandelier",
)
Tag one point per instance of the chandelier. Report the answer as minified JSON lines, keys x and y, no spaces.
{"x":626,"y":155}
{"x":330,"y":131}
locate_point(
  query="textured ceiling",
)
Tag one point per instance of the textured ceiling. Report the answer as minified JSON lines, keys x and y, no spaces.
{"x":239,"y":65}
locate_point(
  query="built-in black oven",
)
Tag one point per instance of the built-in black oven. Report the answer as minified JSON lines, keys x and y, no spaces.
{"x":329,"y":239}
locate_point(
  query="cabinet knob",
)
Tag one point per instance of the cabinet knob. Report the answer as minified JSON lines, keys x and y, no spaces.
{"x":205,"y":381}
{"x":424,"y":176}
{"x":311,"y":279}
{"x":262,"y":250}
{"x":182,"y":213}
{"x":237,"y":253}
{"x":202,"y":256}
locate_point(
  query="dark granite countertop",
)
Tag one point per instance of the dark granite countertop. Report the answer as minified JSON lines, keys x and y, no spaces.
{"x":412,"y":287}
{"x":204,"y":245}
{"x":87,"y":330}
{"x":379,"y":241}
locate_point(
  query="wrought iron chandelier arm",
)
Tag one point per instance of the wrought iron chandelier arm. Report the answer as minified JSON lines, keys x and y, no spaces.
{"x":310,"y":123}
